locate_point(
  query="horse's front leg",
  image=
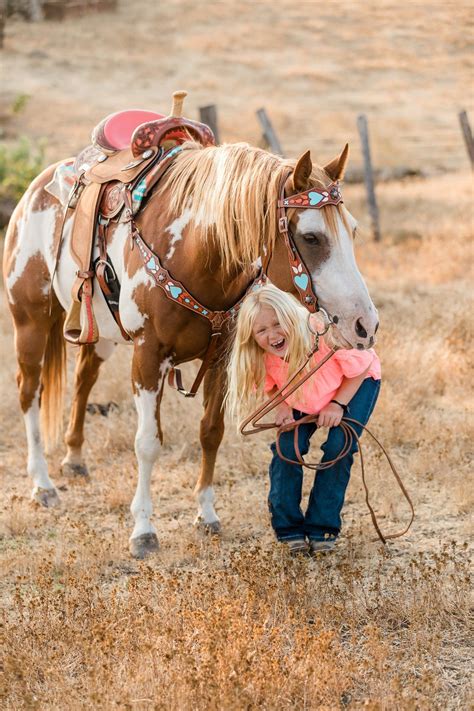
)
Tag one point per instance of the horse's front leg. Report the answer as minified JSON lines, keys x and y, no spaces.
{"x":149,"y":368}
{"x":211,"y":433}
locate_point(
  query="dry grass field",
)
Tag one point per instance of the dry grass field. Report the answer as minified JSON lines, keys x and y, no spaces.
{"x":232,"y":622}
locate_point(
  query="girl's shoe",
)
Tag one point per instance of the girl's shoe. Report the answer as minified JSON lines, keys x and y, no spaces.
{"x":296,"y":546}
{"x":322,"y":546}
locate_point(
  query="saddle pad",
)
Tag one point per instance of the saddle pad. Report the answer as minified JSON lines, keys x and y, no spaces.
{"x":63,"y":179}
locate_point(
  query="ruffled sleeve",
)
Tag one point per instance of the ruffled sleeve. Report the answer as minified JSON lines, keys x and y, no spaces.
{"x":353,"y":362}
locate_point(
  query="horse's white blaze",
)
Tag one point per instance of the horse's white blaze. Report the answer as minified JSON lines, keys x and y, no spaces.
{"x":206,"y":511}
{"x":147,"y":447}
{"x":339,"y":285}
{"x":35,"y":236}
{"x":37,"y":466}
{"x":176,"y":230}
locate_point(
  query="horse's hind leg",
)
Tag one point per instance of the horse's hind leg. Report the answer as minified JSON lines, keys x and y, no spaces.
{"x":211,"y":433}
{"x":31,"y":341}
{"x":88,"y":361}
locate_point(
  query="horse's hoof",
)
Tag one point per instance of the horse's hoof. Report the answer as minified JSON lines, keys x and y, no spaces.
{"x":46,"y":497}
{"x":213,"y":528}
{"x":74,"y":471}
{"x":144,"y":545}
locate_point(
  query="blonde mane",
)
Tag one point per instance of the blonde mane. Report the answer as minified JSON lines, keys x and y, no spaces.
{"x":232,"y":190}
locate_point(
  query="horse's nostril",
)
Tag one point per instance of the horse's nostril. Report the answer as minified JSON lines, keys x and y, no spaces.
{"x":360,"y":330}
{"x":335,"y":319}
{"x":377,"y":327}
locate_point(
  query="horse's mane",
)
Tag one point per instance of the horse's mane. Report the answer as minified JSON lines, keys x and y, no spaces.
{"x":232,"y":190}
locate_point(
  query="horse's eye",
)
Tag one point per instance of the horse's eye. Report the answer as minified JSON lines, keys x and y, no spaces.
{"x":311,"y":237}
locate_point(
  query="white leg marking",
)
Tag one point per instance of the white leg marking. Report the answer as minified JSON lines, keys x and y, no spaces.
{"x":147,"y":447}
{"x":206,"y":511}
{"x":37,"y":466}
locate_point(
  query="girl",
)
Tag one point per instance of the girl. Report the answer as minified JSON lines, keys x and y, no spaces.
{"x":272,"y":340}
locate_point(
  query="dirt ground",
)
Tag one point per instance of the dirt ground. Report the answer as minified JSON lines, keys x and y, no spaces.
{"x":232,"y":623}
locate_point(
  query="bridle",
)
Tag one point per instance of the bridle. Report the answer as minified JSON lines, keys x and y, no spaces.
{"x":311,"y":199}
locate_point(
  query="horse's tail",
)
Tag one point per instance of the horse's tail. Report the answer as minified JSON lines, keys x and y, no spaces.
{"x":53,"y":382}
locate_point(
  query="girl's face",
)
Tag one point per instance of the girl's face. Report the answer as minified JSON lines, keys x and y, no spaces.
{"x":268,"y":333}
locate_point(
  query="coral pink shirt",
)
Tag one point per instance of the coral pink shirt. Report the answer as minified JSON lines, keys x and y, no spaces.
{"x":320,"y":389}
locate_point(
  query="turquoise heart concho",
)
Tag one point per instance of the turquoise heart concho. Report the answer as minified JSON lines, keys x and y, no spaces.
{"x":174,"y":290}
{"x":301,"y":281}
{"x":315,"y":198}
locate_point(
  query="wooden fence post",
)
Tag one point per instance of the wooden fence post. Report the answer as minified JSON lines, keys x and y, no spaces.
{"x":269,"y":132}
{"x":368,"y":175}
{"x":467,"y":133}
{"x":208,"y":115}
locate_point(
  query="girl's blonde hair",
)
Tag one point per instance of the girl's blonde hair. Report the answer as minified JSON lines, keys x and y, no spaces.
{"x":246,"y":371}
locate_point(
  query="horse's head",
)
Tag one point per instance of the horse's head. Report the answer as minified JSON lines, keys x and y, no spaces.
{"x":324,"y":239}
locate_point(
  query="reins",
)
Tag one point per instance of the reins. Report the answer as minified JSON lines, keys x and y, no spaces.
{"x":346,"y":424}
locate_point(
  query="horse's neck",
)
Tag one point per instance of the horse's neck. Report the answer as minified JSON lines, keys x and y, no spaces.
{"x":190,"y":253}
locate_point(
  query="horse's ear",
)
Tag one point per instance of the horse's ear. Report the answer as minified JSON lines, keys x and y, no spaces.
{"x":336,"y":168}
{"x":302,"y":172}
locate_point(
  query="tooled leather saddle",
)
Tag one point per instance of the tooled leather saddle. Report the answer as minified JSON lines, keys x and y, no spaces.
{"x":130,"y":152}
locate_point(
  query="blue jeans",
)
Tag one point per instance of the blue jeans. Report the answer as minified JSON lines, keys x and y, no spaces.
{"x":323,"y":515}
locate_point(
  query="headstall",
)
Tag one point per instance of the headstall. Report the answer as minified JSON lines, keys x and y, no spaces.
{"x":312,"y":199}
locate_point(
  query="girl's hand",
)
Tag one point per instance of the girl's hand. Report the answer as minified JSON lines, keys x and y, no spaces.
{"x":331,"y":415}
{"x":284,"y":415}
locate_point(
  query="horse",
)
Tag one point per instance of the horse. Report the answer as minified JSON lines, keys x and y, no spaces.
{"x":210,"y":220}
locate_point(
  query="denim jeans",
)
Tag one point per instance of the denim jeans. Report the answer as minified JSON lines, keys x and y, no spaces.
{"x":323,"y":515}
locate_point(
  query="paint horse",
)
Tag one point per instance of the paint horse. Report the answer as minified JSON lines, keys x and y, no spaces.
{"x":214,"y":214}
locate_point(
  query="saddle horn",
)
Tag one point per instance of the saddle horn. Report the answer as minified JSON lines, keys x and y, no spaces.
{"x":171,"y":130}
{"x":178,"y":101}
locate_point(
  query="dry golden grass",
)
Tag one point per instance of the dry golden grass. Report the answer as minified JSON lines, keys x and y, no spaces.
{"x":233,"y":623}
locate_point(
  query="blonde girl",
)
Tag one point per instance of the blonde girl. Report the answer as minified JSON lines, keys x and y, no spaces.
{"x":272,"y":340}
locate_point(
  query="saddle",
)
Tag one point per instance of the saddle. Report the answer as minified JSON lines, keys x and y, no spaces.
{"x":130,"y":151}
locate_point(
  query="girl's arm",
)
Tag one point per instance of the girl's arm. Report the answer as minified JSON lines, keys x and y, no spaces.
{"x":283,"y":413}
{"x":332,"y":414}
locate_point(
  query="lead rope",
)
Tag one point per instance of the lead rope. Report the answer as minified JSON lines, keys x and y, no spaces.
{"x":349,"y":435}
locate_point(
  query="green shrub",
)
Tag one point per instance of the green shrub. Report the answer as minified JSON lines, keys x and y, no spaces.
{"x":19,"y":165}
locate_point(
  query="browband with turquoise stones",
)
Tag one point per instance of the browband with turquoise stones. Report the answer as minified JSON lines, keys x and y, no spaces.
{"x":314,"y":198}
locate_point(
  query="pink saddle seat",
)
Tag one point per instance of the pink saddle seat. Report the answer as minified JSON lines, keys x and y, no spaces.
{"x":114,"y":133}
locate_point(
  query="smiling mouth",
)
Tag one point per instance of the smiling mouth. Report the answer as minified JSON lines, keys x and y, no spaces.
{"x":279,"y":345}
